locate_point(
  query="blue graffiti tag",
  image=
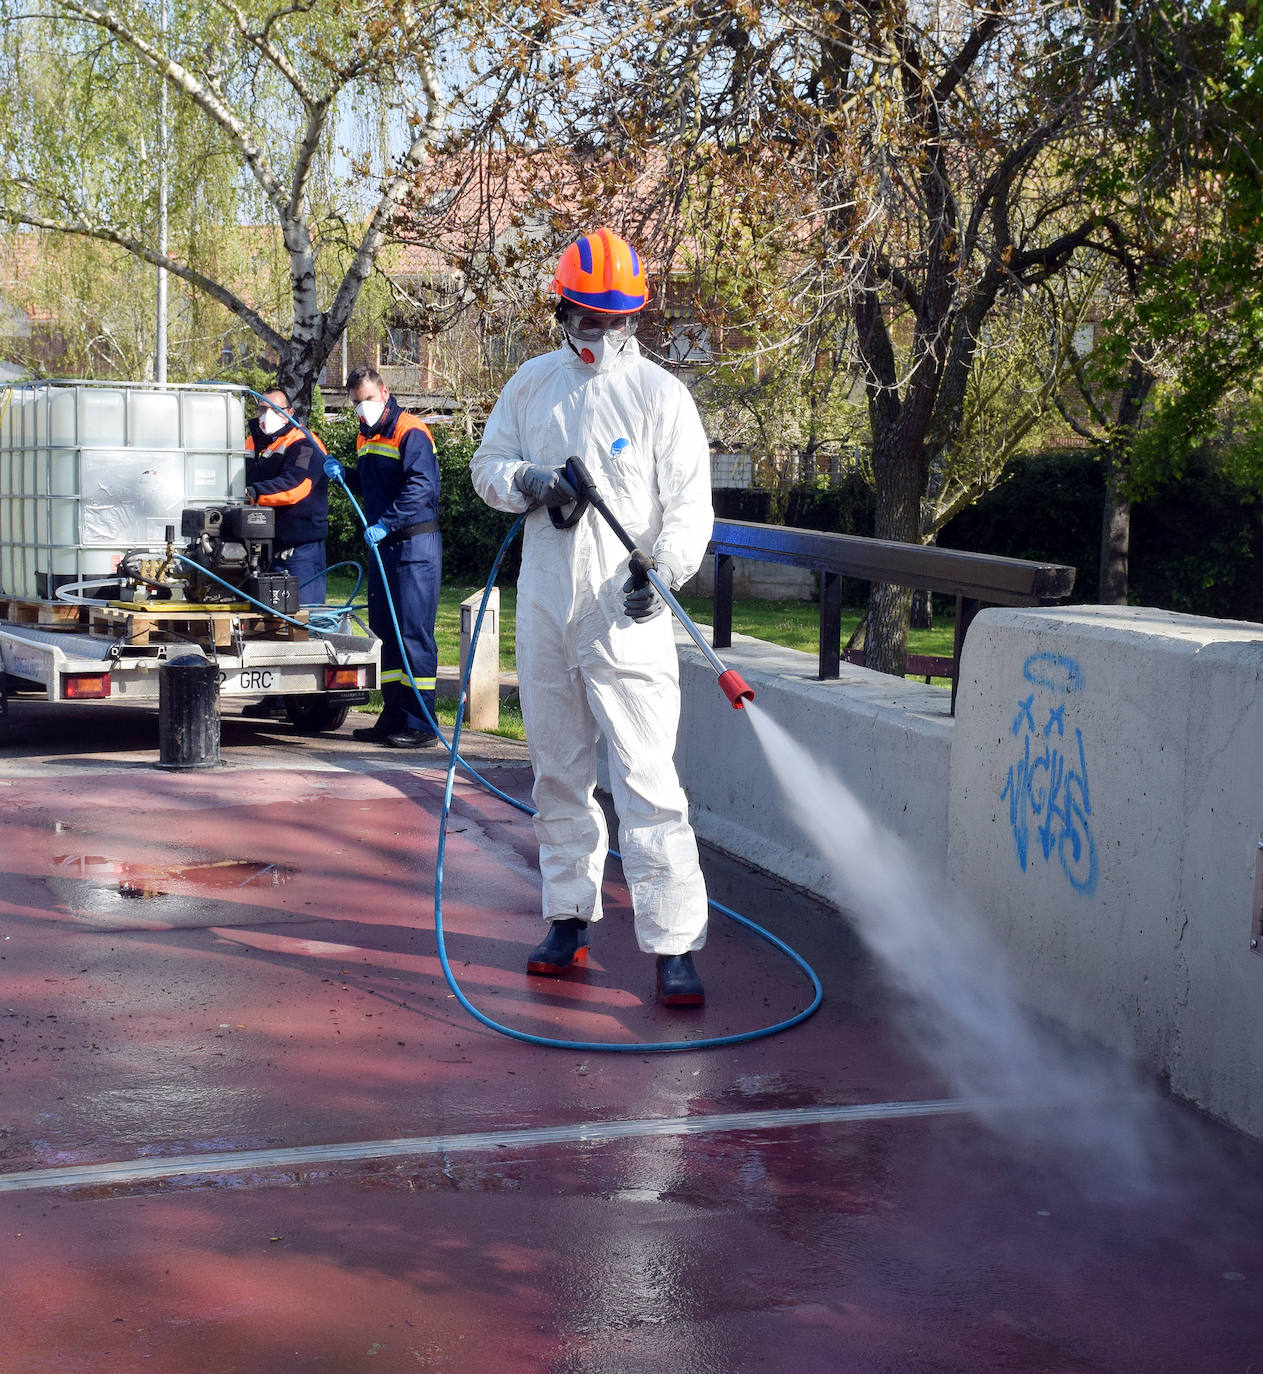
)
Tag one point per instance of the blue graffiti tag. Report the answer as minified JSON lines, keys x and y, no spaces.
{"x":1047,"y":790}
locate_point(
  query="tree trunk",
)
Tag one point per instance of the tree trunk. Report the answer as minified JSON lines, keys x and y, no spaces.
{"x":1116,"y":517}
{"x":899,"y":481}
{"x":922,"y":610}
{"x":1115,"y":535}
{"x":296,"y":371}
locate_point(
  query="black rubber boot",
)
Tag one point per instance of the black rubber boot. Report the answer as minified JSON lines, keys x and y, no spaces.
{"x":678,"y":983}
{"x":270,"y":708}
{"x":377,"y":732}
{"x":565,"y":944}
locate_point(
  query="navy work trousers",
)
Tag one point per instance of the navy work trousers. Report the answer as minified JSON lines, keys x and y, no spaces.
{"x":413,"y":572}
{"x":307,"y":563}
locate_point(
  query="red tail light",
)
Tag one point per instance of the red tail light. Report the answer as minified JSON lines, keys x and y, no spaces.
{"x":85,"y":686}
{"x":345,"y":679}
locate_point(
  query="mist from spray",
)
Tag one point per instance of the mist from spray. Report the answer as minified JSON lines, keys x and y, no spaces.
{"x":962,"y":1011}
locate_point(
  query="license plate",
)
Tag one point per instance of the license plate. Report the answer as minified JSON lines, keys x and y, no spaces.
{"x":254,"y":680}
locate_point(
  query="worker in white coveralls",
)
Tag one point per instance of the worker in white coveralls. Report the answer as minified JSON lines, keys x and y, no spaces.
{"x":594,"y":653}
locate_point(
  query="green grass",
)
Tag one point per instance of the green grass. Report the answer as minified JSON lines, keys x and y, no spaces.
{"x":447,"y":622}
{"x":447,"y":636}
{"x":796,"y":625}
{"x":792,"y":624}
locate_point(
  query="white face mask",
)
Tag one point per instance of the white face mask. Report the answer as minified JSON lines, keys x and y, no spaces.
{"x":370,"y":411}
{"x":271,"y":421}
{"x":600,"y":353}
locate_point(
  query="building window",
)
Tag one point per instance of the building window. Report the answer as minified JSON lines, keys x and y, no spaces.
{"x":688,"y":343}
{"x":403,"y":346}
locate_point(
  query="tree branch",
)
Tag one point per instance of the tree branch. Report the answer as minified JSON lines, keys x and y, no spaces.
{"x":104,"y":234}
{"x":388,"y":206}
{"x":957,"y":68}
{"x":207,"y":101}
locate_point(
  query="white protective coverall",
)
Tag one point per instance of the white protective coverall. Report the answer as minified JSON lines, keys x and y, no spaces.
{"x":586,"y":667}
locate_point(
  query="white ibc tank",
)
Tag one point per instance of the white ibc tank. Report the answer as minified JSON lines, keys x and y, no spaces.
{"x":89,"y":471}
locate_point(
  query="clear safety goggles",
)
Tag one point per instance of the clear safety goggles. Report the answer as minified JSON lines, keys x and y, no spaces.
{"x":590,"y":325}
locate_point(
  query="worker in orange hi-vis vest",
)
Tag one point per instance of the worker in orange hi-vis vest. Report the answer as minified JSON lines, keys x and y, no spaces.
{"x":285,"y":472}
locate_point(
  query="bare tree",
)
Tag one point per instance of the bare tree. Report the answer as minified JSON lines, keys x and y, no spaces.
{"x":311,"y":118}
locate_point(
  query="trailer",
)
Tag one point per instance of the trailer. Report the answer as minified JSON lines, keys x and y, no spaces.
{"x":55,"y":651}
{"x":125,"y":542}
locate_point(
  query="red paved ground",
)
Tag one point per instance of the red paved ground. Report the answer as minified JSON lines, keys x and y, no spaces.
{"x":245,"y":958}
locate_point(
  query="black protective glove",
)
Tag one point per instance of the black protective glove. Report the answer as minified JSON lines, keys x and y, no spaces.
{"x":640,"y":597}
{"x":544,"y":486}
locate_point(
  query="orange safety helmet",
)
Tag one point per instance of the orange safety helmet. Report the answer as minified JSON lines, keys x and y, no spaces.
{"x":602,"y":272}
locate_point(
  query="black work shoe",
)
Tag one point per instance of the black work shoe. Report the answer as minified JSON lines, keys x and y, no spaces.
{"x":565,"y":944}
{"x":678,"y":983}
{"x":410,"y":739}
{"x":372,"y":734}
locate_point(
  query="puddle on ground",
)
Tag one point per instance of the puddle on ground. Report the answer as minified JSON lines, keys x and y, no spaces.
{"x":121,"y":895}
{"x":146,"y":880}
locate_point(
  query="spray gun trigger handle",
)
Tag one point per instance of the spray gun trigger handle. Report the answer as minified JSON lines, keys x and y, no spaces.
{"x":639,"y":565}
{"x":577,"y":475}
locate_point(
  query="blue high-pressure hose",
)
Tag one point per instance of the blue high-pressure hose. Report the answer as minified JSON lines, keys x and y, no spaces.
{"x":454,"y":759}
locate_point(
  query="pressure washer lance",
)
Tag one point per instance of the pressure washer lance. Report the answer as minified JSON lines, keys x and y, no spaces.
{"x":643,"y":570}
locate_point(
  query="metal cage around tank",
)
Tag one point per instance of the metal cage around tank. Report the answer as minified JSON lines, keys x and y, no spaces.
{"x":89,"y":470}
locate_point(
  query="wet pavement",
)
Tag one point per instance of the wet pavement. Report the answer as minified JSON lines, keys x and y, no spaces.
{"x":241,"y":963}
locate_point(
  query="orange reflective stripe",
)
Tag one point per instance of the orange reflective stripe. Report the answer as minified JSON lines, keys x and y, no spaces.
{"x":395,"y":438}
{"x":291,"y":436}
{"x":286,"y":498}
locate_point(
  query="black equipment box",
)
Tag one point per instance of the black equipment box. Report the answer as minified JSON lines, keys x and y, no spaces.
{"x":280,"y":591}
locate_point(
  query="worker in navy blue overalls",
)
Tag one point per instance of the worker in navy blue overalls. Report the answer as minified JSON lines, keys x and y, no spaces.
{"x":397,"y":478}
{"x":285,"y":473}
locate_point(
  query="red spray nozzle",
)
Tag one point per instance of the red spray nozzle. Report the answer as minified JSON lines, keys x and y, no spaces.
{"x":735,"y":688}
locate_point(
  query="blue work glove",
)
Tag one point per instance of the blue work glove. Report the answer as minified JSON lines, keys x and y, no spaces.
{"x":375,"y":534}
{"x":333,"y":470}
{"x":544,"y":486}
{"x":640,"y":597}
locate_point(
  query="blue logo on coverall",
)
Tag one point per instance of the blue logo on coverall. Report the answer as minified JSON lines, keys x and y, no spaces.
{"x":618,"y":446}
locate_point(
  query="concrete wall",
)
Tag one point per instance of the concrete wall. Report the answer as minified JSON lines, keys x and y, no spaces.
{"x":1098,"y":799}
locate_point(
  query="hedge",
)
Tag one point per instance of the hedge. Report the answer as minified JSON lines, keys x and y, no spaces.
{"x":472,"y":532}
{"x":1193,"y":542}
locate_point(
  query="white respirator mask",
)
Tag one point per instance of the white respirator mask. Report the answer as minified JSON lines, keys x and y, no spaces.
{"x":272,"y":421}
{"x":600,"y":353}
{"x":370,"y":411}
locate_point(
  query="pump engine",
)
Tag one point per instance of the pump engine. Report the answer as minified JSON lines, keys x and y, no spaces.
{"x":232,"y":542}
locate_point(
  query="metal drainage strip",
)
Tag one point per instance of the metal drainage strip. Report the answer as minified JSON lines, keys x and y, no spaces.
{"x":583,"y":1133}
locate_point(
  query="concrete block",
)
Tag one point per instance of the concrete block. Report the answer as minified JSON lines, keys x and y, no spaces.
{"x":482,"y":703}
{"x":1075,"y":781}
{"x":1217,"y":1051}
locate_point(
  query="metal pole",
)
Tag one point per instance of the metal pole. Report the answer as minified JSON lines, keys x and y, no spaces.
{"x":160,"y":343}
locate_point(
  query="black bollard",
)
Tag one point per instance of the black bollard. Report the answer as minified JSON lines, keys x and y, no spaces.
{"x":188,"y":713}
